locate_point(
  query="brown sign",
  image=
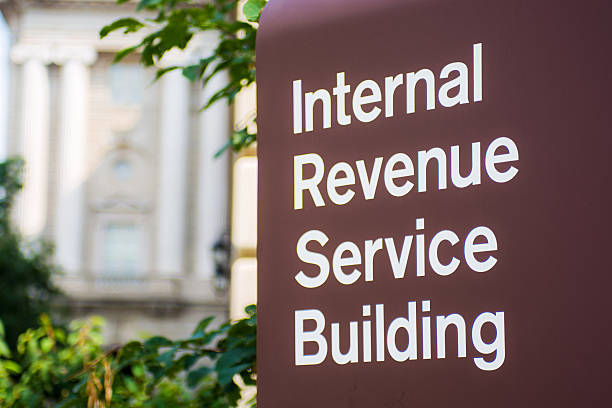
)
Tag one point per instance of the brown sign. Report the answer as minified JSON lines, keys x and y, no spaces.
{"x":434,"y":203}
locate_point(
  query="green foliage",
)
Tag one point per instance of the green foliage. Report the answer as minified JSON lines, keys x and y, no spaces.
{"x":25,"y":267}
{"x":69,"y":367}
{"x":48,"y":363}
{"x":206,"y":369}
{"x":129,"y":25}
{"x":240,"y":139}
{"x":252,"y":9}
{"x":174,"y":26}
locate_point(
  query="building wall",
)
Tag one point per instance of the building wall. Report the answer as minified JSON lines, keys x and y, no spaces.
{"x":243,"y":285}
{"x":120,"y":171}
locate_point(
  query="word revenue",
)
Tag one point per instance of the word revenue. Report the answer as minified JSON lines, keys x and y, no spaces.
{"x":387,"y":338}
{"x":348,"y":256}
{"x":368,"y":103}
{"x":397,"y":173}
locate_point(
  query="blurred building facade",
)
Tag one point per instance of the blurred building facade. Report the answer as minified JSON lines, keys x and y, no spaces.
{"x":120,"y":173}
{"x":243,"y":286}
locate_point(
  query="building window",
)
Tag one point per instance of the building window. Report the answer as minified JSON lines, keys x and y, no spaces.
{"x":122,"y":255}
{"x":122,"y":169}
{"x":126,"y":83}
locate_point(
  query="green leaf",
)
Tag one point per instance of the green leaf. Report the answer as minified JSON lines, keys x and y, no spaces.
{"x":148,"y":4}
{"x":138,"y":370}
{"x":251,"y":310}
{"x":203,"y":324}
{"x":157,"y":342}
{"x":128,"y":24}
{"x":131,"y":385}
{"x":11,"y":366}
{"x":161,"y":72}
{"x":4,"y":349}
{"x":240,"y":139}
{"x":123,"y":53}
{"x":252,"y":9}
{"x":225,"y":375}
{"x":233,"y":357}
{"x":168,"y":357}
{"x":46,"y":345}
{"x":192,"y":72}
{"x":80,"y":385}
{"x":195,"y":376}
{"x":97,"y":321}
{"x":223,"y":148}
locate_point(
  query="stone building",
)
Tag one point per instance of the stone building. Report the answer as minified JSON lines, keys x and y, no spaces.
{"x":120,"y":173}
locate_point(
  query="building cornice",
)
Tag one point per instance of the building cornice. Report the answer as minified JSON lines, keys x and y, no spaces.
{"x":21,"y":4}
{"x":12,"y":8}
{"x":21,"y":53}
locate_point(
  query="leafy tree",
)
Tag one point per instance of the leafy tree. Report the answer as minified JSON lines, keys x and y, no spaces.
{"x":48,"y":363}
{"x":176,"y":23}
{"x":26,"y":289}
{"x":173,"y":24}
{"x":69,"y":368}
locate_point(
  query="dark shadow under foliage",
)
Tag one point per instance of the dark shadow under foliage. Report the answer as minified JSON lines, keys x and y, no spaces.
{"x":26,"y":289}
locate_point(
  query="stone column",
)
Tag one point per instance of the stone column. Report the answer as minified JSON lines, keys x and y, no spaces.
{"x":31,"y":208}
{"x":174,"y":138}
{"x":213,"y":179}
{"x":72,"y":171}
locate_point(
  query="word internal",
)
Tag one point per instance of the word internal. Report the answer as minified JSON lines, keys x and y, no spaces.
{"x":386,"y":339}
{"x":397,"y":172}
{"x":479,"y":240}
{"x":453,"y":92}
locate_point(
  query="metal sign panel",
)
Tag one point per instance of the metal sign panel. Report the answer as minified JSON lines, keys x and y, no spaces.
{"x":434,"y":203}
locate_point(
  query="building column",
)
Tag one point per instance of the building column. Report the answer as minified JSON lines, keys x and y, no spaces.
{"x":31,"y":208}
{"x":172,"y":193}
{"x":72,"y":171}
{"x":213,"y":179}
{"x":243,"y":283}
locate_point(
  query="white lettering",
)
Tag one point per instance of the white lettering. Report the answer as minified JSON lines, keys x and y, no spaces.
{"x":312,"y":258}
{"x":359,"y":100}
{"x":315,"y":336}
